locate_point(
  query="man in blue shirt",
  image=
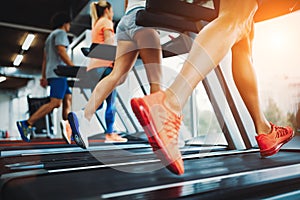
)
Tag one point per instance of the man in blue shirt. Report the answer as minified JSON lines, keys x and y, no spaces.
{"x":55,"y":53}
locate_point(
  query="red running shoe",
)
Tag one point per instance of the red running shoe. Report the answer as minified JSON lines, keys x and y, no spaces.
{"x":161,"y":126}
{"x":271,"y":143}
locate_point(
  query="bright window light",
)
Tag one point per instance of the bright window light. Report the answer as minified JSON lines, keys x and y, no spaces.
{"x":28,"y":41}
{"x":18,"y":60}
{"x":2,"y":78}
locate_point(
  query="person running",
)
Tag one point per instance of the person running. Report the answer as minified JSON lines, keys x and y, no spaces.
{"x":132,"y":40}
{"x":103,"y":33}
{"x":55,"y":53}
{"x":160,"y":113}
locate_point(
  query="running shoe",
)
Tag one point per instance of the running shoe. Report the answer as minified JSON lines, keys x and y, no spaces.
{"x":271,"y":143}
{"x":161,"y":126}
{"x":80,"y":128}
{"x":25,"y":130}
{"x":114,"y":138}
{"x":66,"y":131}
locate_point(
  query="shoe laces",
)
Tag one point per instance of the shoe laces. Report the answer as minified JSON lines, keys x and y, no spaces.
{"x":172,"y":125}
{"x":280,"y":131}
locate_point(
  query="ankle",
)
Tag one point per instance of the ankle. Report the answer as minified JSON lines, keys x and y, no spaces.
{"x":154,"y":88}
{"x":173,"y":107}
{"x":87,"y":116}
{"x":264,"y":129}
{"x":172,"y":103}
{"x":29,"y":123}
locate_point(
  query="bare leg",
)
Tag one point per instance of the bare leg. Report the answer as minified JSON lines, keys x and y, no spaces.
{"x":125,"y":58}
{"x":44,"y":110}
{"x":149,"y":48}
{"x":67,"y":102}
{"x":210,"y":47}
{"x":246,"y":82}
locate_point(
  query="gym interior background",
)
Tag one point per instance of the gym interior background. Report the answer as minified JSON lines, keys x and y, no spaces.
{"x":276,"y":59}
{"x":217,"y":167}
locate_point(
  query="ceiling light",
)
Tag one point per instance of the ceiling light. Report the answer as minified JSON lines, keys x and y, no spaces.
{"x":2,"y":78}
{"x":8,"y":70}
{"x":28,"y":41}
{"x":18,"y":60}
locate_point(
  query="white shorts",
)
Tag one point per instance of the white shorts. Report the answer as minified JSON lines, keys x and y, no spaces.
{"x":127,"y":28}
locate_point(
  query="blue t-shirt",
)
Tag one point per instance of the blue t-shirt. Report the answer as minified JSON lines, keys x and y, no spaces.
{"x":55,"y":38}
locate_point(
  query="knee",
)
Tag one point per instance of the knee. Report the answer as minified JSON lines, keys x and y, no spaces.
{"x":240,"y":25}
{"x":122,"y":79}
{"x":117,"y":78}
{"x":55,"y":104}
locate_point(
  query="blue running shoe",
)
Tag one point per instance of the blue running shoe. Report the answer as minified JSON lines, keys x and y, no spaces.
{"x":80,"y":128}
{"x":25,"y":130}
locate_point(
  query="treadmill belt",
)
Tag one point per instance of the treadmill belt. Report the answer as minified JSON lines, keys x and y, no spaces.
{"x":140,"y":181}
{"x":108,"y":155}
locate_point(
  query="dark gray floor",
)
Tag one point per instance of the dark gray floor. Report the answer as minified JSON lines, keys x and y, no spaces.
{"x":151,"y":180}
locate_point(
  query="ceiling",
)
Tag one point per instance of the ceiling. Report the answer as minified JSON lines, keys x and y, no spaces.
{"x":17,"y":19}
{"x":20,"y":17}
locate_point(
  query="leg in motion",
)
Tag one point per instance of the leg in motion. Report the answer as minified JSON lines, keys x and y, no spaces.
{"x":25,"y":126}
{"x":110,"y":115}
{"x":64,"y":123}
{"x":80,"y":121}
{"x":270,"y":137}
{"x":160,"y":113}
{"x":151,"y":55}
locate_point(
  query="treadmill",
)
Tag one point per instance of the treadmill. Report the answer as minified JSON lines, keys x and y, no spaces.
{"x":235,"y":171}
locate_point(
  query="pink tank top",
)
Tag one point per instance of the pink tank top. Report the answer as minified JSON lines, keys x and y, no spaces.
{"x":98,"y":29}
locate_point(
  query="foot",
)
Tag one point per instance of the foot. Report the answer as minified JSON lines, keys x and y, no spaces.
{"x":114,"y":138}
{"x":25,"y":130}
{"x":271,"y":143}
{"x":66,"y":131}
{"x":80,"y":128}
{"x":161,"y":126}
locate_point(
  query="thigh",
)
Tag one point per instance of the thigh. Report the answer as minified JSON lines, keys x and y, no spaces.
{"x":237,"y":9}
{"x":147,"y":38}
{"x":126,"y":56}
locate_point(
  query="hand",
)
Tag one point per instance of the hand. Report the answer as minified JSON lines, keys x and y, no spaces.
{"x":43,"y":82}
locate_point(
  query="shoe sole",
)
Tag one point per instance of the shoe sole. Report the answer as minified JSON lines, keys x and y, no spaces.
{"x":275,"y":149}
{"x":75,"y":130}
{"x":138,"y":106}
{"x":64,"y":134}
{"x":22,"y":133}
{"x":114,"y":141}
